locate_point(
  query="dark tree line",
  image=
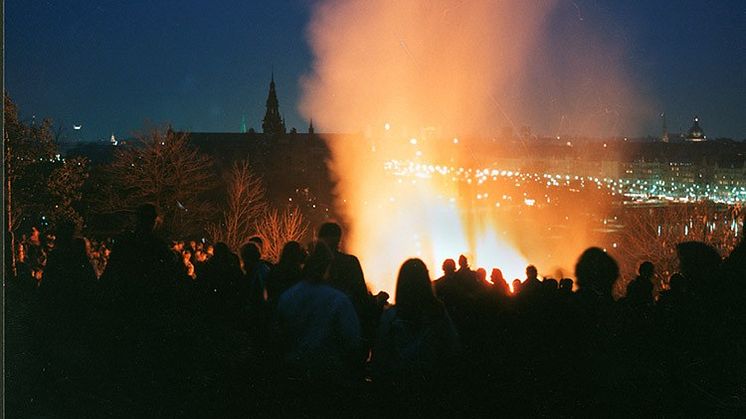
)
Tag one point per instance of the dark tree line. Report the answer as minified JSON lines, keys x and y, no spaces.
{"x":44,"y":188}
{"x":41,"y":187}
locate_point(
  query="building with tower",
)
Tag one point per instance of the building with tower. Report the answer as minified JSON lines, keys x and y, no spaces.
{"x":664,"y":135}
{"x":273,"y":124}
{"x":695,"y":132}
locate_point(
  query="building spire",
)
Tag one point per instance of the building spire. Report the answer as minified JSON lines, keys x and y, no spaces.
{"x":695,"y":132}
{"x":273,"y":123}
{"x":664,"y":137}
{"x":310,"y":127}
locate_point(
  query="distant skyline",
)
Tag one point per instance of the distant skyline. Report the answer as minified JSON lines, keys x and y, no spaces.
{"x":113,"y":66}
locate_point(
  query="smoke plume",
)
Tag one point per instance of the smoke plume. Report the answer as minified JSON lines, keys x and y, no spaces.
{"x":420,"y":81}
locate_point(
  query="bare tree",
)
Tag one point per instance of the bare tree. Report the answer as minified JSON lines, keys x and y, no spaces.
{"x":163,"y":169}
{"x":278,"y":227}
{"x":65,"y":185}
{"x":653,"y":233}
{"x":244,"y":206}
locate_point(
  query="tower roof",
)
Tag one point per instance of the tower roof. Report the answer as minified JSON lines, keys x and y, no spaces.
{"x":273,"y":122}
{"x":695,"y":132}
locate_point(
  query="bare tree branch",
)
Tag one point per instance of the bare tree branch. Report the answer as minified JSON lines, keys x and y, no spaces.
{"x":163,"y":169}
{"x":279,"y":227}
{"x":244,"y":206}
{"x":653,"y":233}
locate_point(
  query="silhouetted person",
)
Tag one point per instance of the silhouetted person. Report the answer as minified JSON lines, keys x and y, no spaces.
{"x":287,"y":272}
{"x":67,"y":296}
{"x":481,"y":276}
{"x":640,"y":289}
{"x":596,"y":272}
{"x":466,"y":285}
{"x":703,"y":330}
{"x":263,"y":268}
{"x":677,"y":284}
{"x":346,"y":275}
{"x":251,"y":291}
{"x":549,"y":287}
{"x":251,"y":259}
{"x":68,"y":275}
{"x":141,"y":308}
{"x":463,"y":300}
{"x":416,"y":337}
{"x":565,"y":286}
{"x":319,"y":332}
{"x":251,"y":312}
{"x":499,"y":284}
{"x":517,"y":284}
{"x":221,"y":278}
{"x":449,"y":271}
{"x":466,"y":278}
{"x":531,"y":285}
{"x":591,"y":335}
{"x":141,"y":265}
{"x":700,"y":264}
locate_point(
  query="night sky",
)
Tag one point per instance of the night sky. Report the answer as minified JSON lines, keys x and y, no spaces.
{"x":114,"y":66}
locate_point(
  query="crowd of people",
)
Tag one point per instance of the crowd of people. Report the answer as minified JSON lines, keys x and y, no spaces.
{"x":190,"y":329}
{"x":32,"y":249}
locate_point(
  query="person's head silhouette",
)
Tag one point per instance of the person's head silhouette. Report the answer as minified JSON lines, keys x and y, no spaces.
{"x":414,"y":292}
{"x":146,"y":217}
{"x":292,"y":254}
{"x":331,"y":234}
{"x":481,"y":275}
{"x":64,"y":233}
{"x":531,"y":272}
{"x":677,"y":283}
{"x":449,"y":266}
{"x":517,"y":286}
{"x":647,"y":269}
{"x":463,"y":262}
{"x":596,"y":271}
{"x":497,"y":277}
{"x":698,"y":262}
{"x":250,"y":256}
{"x":316,"y":268}
{"x":549,"y":284}
{"x":221,"y":251}
{"x":258,"y":242}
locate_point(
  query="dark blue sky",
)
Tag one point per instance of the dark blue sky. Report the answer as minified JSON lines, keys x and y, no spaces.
{"x":201,"y":65}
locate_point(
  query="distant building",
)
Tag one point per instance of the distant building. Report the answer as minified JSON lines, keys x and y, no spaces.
{"x":664,"y":136}
{"x":273,"y":124}
{"x":695,"y":132}
{"x":294,"y":165}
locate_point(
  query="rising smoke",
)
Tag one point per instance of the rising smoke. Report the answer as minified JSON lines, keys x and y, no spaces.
{"x":413,"y":80}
